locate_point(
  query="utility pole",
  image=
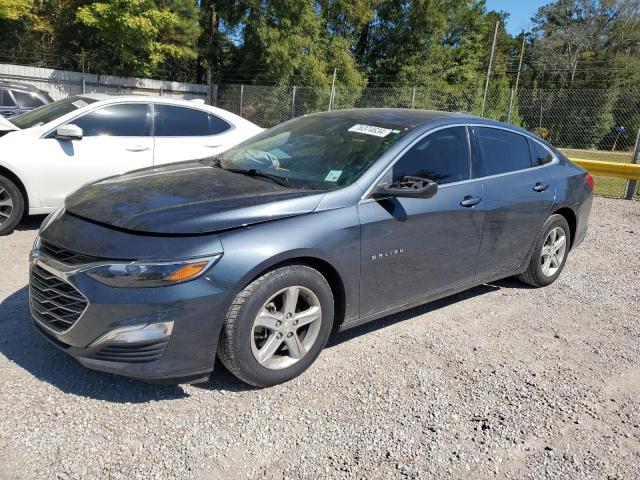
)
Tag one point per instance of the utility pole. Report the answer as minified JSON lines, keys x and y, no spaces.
{"x":241,"y":98}
{"x":333,"y":89}
{"x":631,"y":184}
{"x":413,"y":98}
{"x":493,"y":49}
{"x":515,"y":90}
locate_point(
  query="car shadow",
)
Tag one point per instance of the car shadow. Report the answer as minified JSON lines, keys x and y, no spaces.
{"x":374,"y":325}
{"x":23,"y":345}
{"x":30,"y":222}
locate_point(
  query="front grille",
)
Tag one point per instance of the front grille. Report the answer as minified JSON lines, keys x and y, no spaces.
{"x":66,"y":256}
{"x":54,"y":302}
{"x":141,"y":352}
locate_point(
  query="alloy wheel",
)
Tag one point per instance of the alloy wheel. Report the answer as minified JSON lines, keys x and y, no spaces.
{"x":6,"y":205}
{"x":286,"y":327}
{"x":553,"y":251}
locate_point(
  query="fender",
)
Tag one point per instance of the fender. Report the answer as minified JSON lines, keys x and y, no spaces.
{"x":331,"y":237}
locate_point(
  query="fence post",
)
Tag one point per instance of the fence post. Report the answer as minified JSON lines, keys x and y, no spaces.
{"x":413,"y":98}
{"x":333,"y":89}
{"x":510,"y":106}
{"x":209,"y":86}
{"x":293,"y":102}
{"x":241,"y":98}
{"x":493,"y":49}
{"x":514,"y":91}
{"x":84,"y":83}
{"x":631,"y":184}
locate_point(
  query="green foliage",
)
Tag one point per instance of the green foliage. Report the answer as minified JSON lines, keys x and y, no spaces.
{"x":138,"y":36}
{"x":14,"y":9}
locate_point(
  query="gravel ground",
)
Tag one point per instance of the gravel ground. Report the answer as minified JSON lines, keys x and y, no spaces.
{"x":500,"y":381}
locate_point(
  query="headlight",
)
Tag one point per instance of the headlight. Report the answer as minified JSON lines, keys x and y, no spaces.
{"x":151,"y":274}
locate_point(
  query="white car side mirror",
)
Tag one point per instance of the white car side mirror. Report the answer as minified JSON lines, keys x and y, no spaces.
{"x":69,"y":132}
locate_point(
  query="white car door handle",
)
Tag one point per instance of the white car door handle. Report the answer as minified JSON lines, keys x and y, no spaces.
{"x":212,"y":146}
{"x":137,"y":148}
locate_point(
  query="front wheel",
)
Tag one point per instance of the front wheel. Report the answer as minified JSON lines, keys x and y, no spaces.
{"x":277,"y":326}
{"x":549,"y":253}
{"x":11,"y":205}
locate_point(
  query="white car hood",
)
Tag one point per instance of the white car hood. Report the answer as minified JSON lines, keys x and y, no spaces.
{"x":6,"y":125}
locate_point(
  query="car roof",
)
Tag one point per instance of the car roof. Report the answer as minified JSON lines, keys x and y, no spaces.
{"x":401,"y":117}
{"x":19,"y":86}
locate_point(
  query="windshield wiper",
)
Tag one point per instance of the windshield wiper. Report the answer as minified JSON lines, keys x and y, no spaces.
{"x":254,"y":172}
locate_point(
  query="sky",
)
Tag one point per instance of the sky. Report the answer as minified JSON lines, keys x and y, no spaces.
{"x":520,"y":12}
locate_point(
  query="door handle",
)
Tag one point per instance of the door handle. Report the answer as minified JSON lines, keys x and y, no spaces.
{"x":137,"y":148}
{"x":540,"y":187}
{"x":212,"y":146}
{"x":470,"y":201}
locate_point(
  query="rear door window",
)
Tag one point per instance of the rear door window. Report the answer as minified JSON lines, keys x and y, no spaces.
{"x":27,"y":100}
{"x":502,"y":151}
{"x":174,"y":121}
{"x":124,"y":120}
{"x":442,"y":157}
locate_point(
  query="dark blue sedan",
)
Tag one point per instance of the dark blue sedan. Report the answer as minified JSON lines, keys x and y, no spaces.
{"x":326,"y":221}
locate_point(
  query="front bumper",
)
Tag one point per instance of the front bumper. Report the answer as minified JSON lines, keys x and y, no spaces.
{"x":196,"y":308}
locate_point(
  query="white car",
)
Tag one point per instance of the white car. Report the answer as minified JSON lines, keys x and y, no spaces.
{"x":51,"y":151}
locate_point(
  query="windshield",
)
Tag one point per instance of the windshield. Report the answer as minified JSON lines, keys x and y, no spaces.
{"x":315,"y":152}
{"x":49,"y":112}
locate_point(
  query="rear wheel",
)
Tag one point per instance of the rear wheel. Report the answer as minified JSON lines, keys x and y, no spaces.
{"x":11,"y":205}
{"x":549,"y":253}
{"x":277,"y":326}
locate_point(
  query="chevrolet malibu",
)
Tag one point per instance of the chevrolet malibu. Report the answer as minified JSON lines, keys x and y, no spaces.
{"x":321,"y":223}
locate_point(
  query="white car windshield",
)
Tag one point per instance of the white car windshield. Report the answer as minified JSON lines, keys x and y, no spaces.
{"x":47,"y":113}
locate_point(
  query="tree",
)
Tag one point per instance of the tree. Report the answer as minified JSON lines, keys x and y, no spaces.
{"x":14,"y":9}
{"x":136,"y":37}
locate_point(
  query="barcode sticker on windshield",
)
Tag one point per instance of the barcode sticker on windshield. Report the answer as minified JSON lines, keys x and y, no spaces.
{"x":79,"y":103}
{"x":370,"y":130}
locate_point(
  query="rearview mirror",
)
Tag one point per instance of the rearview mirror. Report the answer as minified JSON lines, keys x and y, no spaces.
{"x":411,"y":187}
{"x":69,"y":132}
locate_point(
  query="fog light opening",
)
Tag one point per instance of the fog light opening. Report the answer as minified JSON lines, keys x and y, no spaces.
{"x":136,"y":333}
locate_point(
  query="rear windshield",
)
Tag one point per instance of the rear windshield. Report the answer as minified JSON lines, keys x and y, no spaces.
{"x":50,"y":112}
{"x":315,"y":152}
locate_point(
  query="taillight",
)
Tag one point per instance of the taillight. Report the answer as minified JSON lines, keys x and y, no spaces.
{"x":589,"y":180}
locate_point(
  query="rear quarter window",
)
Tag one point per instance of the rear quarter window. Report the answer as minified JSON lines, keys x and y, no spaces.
{"x":503,"y":151}
{"x":539,"y":154}
{"x":5,"y":99}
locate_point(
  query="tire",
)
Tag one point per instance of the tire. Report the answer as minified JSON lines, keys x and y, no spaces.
{"x":535,"y":275}
{"x":245,"y":343}
{"x":11,"y":206}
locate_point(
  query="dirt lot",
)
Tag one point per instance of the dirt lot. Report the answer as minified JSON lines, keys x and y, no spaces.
{"x":501,"y":381}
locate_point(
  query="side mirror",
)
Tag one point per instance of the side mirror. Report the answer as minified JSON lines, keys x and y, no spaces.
{"x":69,"y":132}
{"x":411,"y":187}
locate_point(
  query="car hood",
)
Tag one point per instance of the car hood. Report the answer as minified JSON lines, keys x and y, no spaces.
{"x":187,"y":198}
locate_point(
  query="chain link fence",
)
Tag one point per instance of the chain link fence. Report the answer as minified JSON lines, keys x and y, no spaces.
{"x":587,"y":124}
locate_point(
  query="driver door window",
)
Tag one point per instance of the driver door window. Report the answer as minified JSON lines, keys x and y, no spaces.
{"x":442,"y":157}
{"x":115,"y":139}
